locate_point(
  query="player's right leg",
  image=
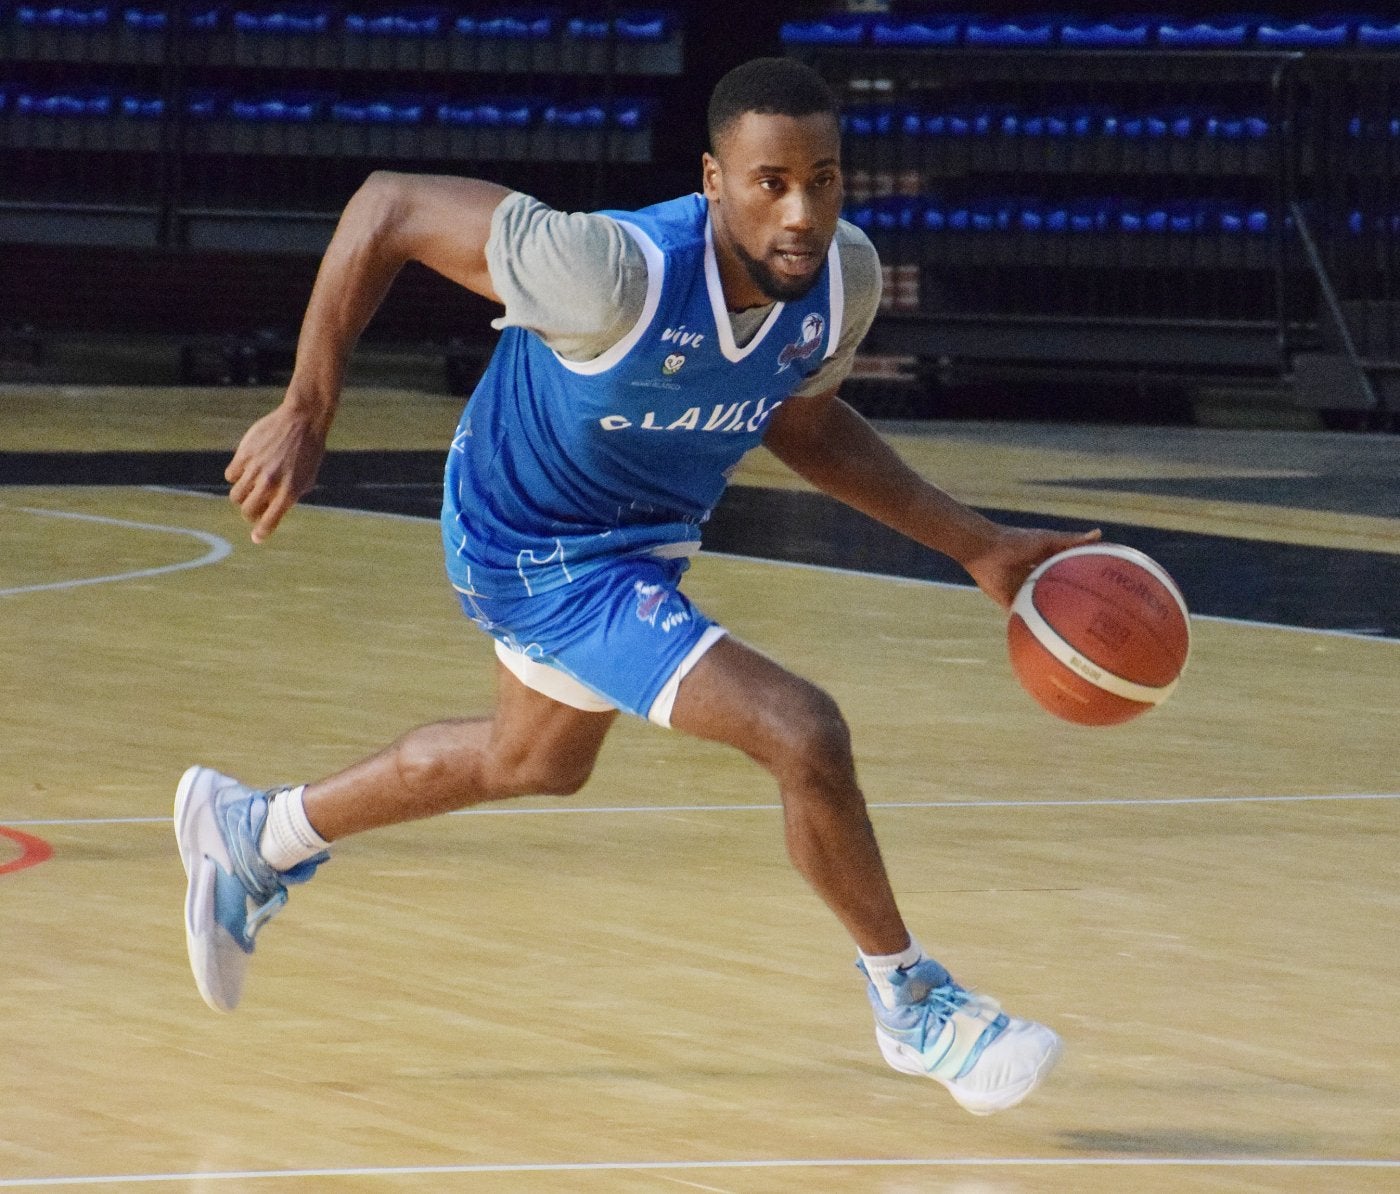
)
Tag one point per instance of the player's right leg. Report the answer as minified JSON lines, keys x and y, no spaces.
{"x":925,"y":1022}
{"x":533,"y":744}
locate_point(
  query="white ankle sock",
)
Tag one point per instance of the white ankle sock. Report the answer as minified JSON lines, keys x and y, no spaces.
{"x":880,"y":966}
{"x":287,"y":837}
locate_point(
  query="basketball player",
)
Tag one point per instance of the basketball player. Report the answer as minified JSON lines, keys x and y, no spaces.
{"x":642,"y":355}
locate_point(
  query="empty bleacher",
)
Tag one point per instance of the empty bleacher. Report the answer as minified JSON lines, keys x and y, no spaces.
{"x":1204,"y":197}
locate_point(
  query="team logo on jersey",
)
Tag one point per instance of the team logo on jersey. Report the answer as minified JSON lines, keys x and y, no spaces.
{"x":807,"y":342}
{"x":672,"y":364}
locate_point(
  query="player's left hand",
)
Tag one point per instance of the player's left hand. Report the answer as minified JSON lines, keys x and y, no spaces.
{"x":1012,"y":555}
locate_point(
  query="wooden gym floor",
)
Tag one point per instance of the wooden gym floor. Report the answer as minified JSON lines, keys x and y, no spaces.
{"x":630,"y":990}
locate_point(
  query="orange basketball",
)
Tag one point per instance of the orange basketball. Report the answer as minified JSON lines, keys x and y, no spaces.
{"x":1099,"y":634}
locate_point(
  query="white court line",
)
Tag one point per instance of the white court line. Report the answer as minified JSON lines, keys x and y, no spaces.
{"x":654,"y":1166}
{"x":219,"y":548}
{"x":934,"y":805}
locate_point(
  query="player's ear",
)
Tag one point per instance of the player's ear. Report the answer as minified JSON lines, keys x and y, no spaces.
{"x":710,"y":174}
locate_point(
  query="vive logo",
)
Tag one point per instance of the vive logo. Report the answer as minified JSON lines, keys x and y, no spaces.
{"x":682,"y":338}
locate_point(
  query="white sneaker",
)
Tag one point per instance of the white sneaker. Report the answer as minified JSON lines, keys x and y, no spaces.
{"x":989,"y":1061}
{"x":232,"y":891}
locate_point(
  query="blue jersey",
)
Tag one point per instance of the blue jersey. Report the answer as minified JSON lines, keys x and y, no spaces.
{"x":559,"y":466}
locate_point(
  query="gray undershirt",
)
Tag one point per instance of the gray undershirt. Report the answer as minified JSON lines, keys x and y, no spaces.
{"x":579,"y":281}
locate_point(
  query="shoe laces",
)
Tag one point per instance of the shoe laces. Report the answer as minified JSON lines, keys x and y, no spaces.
{"x":266,"y":886}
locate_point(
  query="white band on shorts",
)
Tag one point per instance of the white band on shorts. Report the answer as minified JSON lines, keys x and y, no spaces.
{"x":548,"y":680}
{"x":660,"y":711}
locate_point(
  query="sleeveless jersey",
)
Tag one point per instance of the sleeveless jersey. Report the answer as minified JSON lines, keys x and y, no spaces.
{"x":559,"y":466}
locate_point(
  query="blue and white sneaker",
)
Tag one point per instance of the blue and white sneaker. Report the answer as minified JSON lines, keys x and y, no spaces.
{"x":232,"y":891}
{"x":989,"y":1061}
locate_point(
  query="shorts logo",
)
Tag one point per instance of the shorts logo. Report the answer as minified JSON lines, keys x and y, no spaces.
{"x":807,"y":342}
{"x":672,"y":364}
{"x":649,"y":600}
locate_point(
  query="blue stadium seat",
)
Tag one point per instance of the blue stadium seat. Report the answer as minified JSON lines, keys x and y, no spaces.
{"x":872,"y":120}
{"x":1151,"y":125}
{"x":576,"y":116}
{"x":1300,"y":35}
{"x":523,"y":24}
{"x":400,"y":110}
{"x":647,"y":25}
{"x":64,"y":16}
{"x":205,"y":103}
{"x":65,"y":102}
{"x":1238,"y":220}
{"x":1221,"y":32}
{"x":290,"y":19}
{"x":644,"y":25}
{"x":1006,"y":32}
{"x":1378,"y":33}
{"x":141,"y":106}
{"x":144,"y":18}
{"x":1236,"y":126}
{"x":1106,"y":33}
{"x":1374,"y":127}
{"x":506,"y":112}
{"x":983,"y":215}
{"x":631,"y":114}
{"x":282,"y":107}
{"x":399,"y":22}
{"x":926,"y":31}
{"x":838,"y":29}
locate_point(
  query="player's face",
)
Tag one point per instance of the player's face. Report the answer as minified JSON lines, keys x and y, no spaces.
{"x":774,"y":186}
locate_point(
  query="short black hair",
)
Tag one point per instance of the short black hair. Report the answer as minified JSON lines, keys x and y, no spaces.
{"x":773,"y":86}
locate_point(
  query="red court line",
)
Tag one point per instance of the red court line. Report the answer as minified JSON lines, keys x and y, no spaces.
{"x":32,"y":850}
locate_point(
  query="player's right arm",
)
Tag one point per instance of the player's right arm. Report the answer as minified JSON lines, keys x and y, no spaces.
{"x":391,"y":220}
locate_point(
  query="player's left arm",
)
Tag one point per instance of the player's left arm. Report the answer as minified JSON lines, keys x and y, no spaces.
{"x":833,"y":447}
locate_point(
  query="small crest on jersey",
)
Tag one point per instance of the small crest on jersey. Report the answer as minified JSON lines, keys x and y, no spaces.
{"x":672,"y":364}
{"x":807,"y":342}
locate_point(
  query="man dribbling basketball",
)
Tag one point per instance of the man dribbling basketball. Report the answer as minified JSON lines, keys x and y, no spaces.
{"x":643,"y":354}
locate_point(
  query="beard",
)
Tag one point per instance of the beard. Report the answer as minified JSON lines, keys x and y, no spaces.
{"x":779,"y":289}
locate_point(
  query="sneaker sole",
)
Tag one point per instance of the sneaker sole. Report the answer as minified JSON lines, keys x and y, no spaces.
{"x":199,"y":889}
{"x":907,"y":1060}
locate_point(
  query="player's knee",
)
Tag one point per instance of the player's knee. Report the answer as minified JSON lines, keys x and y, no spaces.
{"x":814,"y":747}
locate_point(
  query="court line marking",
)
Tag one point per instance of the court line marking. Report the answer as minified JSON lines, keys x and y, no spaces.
{"x":219,"y":548}
{"x":567,"y":810}
{"x":655,"y":1166}
{"x":32,"y":851}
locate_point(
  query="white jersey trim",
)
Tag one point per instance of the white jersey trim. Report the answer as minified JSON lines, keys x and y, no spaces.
{"x":723,"y":328}
{"x":656,"y":272}
{"x":835,"y":298}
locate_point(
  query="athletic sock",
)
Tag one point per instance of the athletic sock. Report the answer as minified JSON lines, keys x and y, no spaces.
{"x":880,"y":966}
{"x":287,"y":837}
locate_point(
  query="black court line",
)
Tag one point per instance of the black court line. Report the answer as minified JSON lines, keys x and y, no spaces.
{"x":1286,"y":584}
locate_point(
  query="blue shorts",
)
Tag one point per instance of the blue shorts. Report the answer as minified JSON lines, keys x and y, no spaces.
{"x":619,"y":637}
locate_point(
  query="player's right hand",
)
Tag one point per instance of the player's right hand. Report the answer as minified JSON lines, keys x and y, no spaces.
{"x":275,"y":464}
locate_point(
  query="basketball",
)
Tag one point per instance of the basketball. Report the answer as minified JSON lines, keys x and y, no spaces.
{"x":1099,"y":634}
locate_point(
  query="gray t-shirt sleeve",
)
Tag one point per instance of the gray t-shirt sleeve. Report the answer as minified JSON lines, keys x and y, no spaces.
{"x":860,"y":273}
{"x":577,"y":280}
